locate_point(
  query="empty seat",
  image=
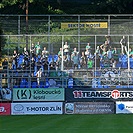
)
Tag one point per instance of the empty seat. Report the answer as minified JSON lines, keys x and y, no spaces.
{"x":124,"y":63}
{"x":50,"y":58}
{"x":23,"y":83}
{"x":55,"y":58}
{"x":41,"y":84}
{"x":131,"y":62}
{"x":34,"y":84}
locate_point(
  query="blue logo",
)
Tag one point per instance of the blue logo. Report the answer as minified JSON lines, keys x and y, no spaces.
{"x":121,"y":106}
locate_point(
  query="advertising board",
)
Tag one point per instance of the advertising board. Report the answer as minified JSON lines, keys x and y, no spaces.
{"x":38,"y":94}
{"x":36,"y":108}
{"x":71,"y":25}
{"x":89,"y":108}
{"x":88,"y":95}
{"x":125,"y":107}
{"x":5,"y":108}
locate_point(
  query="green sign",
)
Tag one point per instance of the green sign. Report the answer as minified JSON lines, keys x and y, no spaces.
{"x":38,"y":94}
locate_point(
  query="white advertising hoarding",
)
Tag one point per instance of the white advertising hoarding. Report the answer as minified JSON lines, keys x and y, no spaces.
{"x":124,"y":107}
{"x":37,"y":108}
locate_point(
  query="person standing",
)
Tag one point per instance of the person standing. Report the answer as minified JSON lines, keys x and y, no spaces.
{"x":39,"y":75}
{"x":5,"y":65}
{"x":60,"y":53}
{"x":75,"y":60}
{"x":32,"y":50}
{"x":123,"y":43}
{"x":88,"y":47}
{"x":66,"y":51}
{"x":45,"y":53}
{"x":45,"y":65}
{"x":108,"y":39}
{"x":15,"y":60}
{"x":83,"y":60}
{"x":37,"y":47}
{"x":104,"y":47}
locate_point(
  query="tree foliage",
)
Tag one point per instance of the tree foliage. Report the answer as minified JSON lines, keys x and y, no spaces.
{"x":2,"y":41}
{"x":67,"y":6}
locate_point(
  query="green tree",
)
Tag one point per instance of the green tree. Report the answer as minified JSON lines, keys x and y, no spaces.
{"x":67,"y":6}
{"x":35,"y":7}
{"x":113,"y":6}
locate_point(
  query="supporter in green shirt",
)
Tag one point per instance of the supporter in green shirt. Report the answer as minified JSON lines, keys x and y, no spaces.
{"x":37,"y":47}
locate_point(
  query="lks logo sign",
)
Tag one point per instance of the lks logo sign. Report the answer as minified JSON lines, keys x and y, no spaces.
{"x":38,"y":94}
{"x":24,"y":94}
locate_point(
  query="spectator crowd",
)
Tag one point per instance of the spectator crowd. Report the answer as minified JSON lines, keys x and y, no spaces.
{"x":38,"y":63}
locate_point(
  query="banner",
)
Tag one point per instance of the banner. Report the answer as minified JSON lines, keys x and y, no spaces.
{"x":71,"y":25}
{"x":90,"y":108}
{"x":38,"y":94}
{"x":88,"y":95}
{"x":5,"y":108}
{"x":124,"y":107}
{"x":36,"y":108}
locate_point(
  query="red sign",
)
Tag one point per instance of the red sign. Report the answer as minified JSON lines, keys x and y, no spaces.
{"x":115,"y":94}
{"x":5,"y":109}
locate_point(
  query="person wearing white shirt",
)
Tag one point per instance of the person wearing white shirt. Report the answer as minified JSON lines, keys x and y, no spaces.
{"x":39,"y":75}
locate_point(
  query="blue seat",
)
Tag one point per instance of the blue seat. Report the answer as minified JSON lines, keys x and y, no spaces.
{"x":46,"y":84}
{"x":50,"y":58}
{"x":118,"y":64}
{"x":106,"y":86}
{"x":55,"y":58}
{"x":101,"y":65}
{"x":20,"y":59}
{"x":131,"y":62}
{"x":124,"y":86}
{"x":26,"y":84}
{"x":23,"y":83}
{"x":34,"y":84}
{"x":130,"y":86}
{"x":41,"y":84}
{"x":118,"y":86}
{"x":15,"y":86}
{"x":124,"y":63}
{"x":99,"y":86}
{"x":97,"y":73}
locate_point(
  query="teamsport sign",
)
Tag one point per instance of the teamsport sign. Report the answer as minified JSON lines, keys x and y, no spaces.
{"x":86,"y":95}
{"x":36,"y":108}
{"x":38,"y":94}
{"x":89,"y":108}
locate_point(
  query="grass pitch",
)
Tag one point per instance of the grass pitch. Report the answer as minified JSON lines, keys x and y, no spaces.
{"x":121,"y":123}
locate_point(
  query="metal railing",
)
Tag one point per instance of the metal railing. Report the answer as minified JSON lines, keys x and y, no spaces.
{"x":85,"y":24}
{"x":89,"y":78}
